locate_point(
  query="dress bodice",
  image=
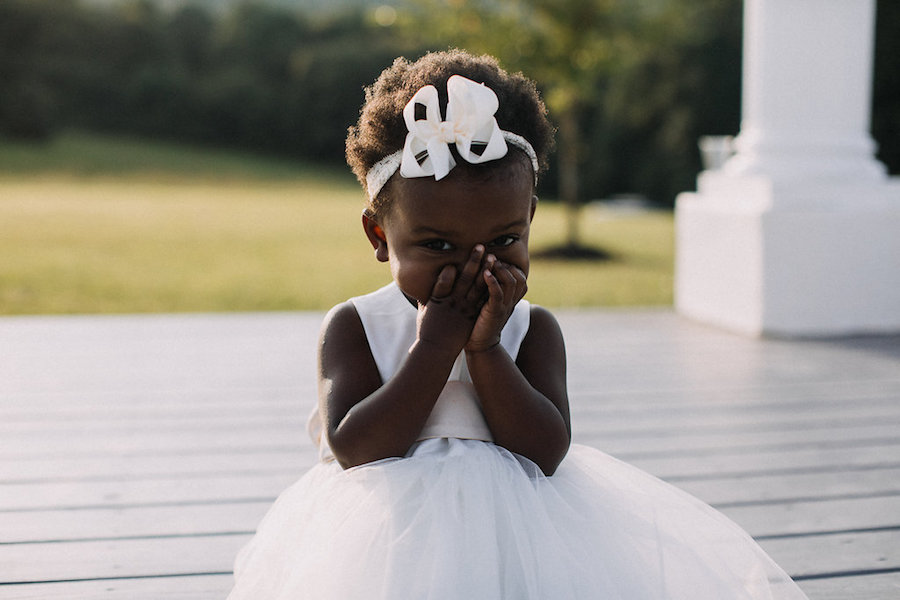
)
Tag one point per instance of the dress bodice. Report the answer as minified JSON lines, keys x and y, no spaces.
{"x":389,"y":322}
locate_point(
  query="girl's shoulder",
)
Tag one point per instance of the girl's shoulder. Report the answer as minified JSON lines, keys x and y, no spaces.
{"x":341,"y":325}
{"x":542,"y":322}
{"x":343,"y":349}
{"x":351,"y":314}
{"x":543,"y":343}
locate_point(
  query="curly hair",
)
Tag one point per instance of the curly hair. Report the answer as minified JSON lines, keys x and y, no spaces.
{"x":381,"y":129}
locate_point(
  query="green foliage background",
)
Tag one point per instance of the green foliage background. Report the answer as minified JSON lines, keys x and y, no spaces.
{"x":279,"y":78}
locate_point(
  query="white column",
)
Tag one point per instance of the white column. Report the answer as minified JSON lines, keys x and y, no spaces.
{"x":799,"y":232}
{"x":806,"y":96}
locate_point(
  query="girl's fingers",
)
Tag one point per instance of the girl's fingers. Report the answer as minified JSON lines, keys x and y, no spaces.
{"x":495,"y":290}
{"x":511,"y":279}
{"x":521,"y":282}
{"x":478,"y":292}
{"x":469,"y":273}
{"x":444,"y":284}
{"x":504,"y":276}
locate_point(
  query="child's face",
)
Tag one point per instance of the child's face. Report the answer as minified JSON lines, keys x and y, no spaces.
{"x":431,"y":224}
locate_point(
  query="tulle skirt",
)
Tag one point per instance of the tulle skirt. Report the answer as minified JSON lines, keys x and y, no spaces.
{"x":459,"y":519}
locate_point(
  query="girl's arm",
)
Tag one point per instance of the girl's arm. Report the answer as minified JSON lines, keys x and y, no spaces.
{"x":525,"y":402}
{"x":365,"y":420}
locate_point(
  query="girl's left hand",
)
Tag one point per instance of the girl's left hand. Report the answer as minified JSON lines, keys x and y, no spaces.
{"x":506,"y":285}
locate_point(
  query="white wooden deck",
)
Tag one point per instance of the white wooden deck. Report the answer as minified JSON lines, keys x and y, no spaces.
{"x":137,"y":453}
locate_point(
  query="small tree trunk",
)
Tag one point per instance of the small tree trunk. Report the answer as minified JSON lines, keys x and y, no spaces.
{"x":568,"y":173}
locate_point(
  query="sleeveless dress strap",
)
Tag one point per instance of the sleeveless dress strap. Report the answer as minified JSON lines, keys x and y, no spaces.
{"x":389,"y":321}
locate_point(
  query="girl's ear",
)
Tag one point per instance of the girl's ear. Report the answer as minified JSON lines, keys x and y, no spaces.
{"x":376,"y":237}
{"x":534,"y":202}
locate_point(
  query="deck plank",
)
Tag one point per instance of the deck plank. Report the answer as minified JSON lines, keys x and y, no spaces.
{"x":56,"y":526}
{"x":881,"y":586}
{"x":191,"y":587}
{"x":805,"y":518}
{"x":138,"y":452}
{"x":120,"y":558}
{"x":123,"y":494}
{"x":813,"y":556}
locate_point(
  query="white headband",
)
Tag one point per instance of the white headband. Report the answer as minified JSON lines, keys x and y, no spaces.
{"x":470,"y":123}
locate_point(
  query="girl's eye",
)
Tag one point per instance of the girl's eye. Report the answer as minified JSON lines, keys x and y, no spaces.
{"x":439,"y":245}
{"x":504,"y":241}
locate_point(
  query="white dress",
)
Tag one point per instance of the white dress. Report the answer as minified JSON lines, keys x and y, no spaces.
{"x":462,"y":518}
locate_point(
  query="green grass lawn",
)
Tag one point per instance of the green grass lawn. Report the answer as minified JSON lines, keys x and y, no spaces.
{"x":225,"y":232}
{"x":95,"y":155}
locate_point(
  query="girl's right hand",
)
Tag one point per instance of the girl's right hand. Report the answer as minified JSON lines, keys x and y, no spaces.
{"x":447,"y":319}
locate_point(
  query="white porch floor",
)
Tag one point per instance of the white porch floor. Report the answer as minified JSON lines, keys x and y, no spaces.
{"x":137,"y":453}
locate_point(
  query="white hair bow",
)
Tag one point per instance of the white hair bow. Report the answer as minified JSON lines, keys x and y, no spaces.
{"x":470,"y":126}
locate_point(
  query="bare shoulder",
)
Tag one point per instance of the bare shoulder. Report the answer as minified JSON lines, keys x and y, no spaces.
{"x":543,"y":350}
{"x":341,"y":320}
{"x":543,"y":331}
{"x":342,"y":339}
{"x":347,"y":369}
{"x":542,"y":359}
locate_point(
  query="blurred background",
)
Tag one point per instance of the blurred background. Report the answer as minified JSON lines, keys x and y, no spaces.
{"x":187,"y":155}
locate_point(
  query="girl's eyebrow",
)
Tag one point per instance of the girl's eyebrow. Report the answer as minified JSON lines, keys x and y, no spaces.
{"x":429,"y":230}
{"x":513,"y":225}
{"x":426,"y":230}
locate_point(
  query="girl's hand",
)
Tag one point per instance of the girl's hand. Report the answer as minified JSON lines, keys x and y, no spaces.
{"x":506,"y":285}
{"x":448,"y":317}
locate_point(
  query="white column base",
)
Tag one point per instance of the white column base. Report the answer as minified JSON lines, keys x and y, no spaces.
{"x":762,"y":259}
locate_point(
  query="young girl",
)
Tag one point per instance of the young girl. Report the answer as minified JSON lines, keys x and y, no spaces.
{"x":443,"y":420}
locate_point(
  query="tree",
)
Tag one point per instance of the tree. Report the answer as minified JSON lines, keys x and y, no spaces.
{"x":683,"y":82}
{"x":570,"y":47}
{"x":630,"y":84}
